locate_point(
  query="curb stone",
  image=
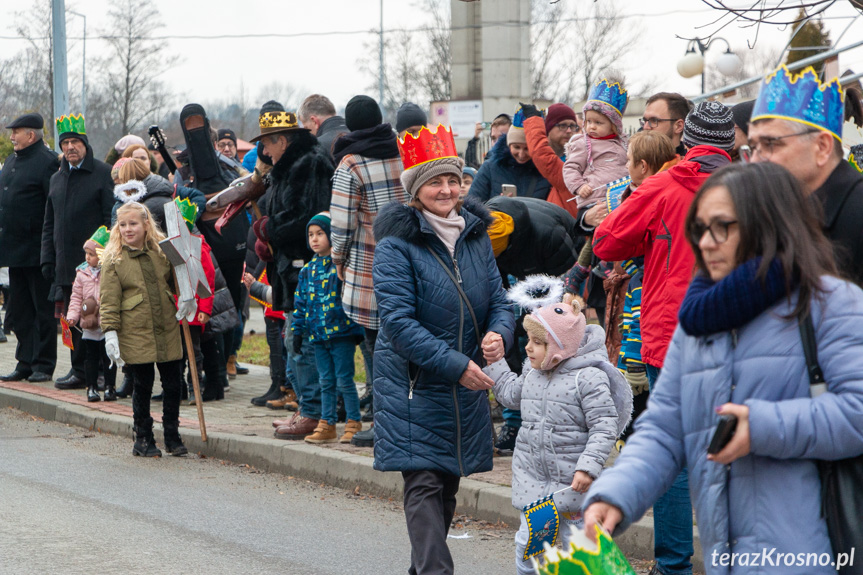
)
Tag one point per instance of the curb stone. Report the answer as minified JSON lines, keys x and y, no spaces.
{"x":477,"y":499}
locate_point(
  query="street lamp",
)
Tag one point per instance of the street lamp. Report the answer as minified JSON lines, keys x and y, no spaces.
{"x":692,"y":62}
{"x":84,"y":66}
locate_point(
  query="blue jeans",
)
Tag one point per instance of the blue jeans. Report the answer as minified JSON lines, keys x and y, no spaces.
{"x":335,"y":362}
{"x":306,"y":381}
{"x":672,"y":518}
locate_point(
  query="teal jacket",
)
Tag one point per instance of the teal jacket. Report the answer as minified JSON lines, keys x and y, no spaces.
{"x":318,"y":313}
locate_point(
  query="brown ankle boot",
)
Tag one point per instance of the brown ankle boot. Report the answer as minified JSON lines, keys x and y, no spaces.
{"x":232,"y":367}
{"x":324,"y":433}
{"x":287,"y":401}
{"x":351,"y":427}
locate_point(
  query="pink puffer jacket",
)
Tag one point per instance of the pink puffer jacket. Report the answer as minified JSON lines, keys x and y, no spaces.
{"x":85,"y":293}
{"x":607,"y":163}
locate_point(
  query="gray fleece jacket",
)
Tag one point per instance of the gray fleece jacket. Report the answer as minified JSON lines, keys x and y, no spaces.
{"x":571,"y":417}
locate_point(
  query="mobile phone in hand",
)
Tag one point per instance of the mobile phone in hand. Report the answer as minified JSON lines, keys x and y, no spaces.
{"x":724,"y":432}
{"x":508,"y":190}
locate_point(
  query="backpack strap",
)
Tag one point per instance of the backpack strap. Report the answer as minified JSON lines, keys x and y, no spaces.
{"x":810,"y":351}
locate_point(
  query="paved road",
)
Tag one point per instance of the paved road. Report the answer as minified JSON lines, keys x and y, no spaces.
{"x":73,"y":501}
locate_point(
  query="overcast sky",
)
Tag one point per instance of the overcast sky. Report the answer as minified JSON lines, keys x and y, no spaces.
{"x":214,"y":69}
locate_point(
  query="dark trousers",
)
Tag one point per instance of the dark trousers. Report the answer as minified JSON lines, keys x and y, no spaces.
{"x":95,"y":359}
{"x":278,"y":353}
{"x":78,"y":356}
{"x":233,"y":272}
{"x":143,"y":374}
{"x":429,"y":503}
{"x":32,"y":320}
{"x":371,"y":340}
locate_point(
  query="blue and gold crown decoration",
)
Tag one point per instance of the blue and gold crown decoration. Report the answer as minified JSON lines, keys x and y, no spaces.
{"x":801,"y":98}
{"x":518,"y":118}
{"x":612,"y":94}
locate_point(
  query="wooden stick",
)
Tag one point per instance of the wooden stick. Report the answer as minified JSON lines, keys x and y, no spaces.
{"x":193,"y":367}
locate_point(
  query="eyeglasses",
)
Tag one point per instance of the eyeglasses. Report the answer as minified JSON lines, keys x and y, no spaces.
{"x":718,"y":230}
{"x":766,"y":146}
{"x":567,"y":127}
{"x":654,"y":121}
{"x":223,"y":144}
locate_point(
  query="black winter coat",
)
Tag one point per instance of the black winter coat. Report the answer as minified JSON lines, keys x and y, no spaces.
{"x":546,"y":238}
{"x":842,"y":199}
{"x":24,"y":185}
{"x":79,"y":202}
{"x":300,"y":188}
{"x":159,"y":192}
{"x":331,"y":130}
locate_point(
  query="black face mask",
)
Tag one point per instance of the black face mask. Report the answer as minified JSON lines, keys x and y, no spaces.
{"x":203,"y":161}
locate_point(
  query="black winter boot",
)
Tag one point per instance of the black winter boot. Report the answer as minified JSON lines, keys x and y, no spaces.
{"x":125,"y":389}
{"x":110,"y":393}
{"x":173,"y":442}
{"x":145,"y":443}
{"x":273,"y":393}
{"x":93,"y":395}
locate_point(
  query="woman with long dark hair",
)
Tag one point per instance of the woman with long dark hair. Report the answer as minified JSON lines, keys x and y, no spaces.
{"x":762,"y":267}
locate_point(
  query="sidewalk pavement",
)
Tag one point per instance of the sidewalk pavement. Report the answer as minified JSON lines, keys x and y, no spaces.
{"x":240,"y":432}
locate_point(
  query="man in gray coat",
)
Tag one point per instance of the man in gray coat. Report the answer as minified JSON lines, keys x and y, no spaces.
{"x":24,"y":184}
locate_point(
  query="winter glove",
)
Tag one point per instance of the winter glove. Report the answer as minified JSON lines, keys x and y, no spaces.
{"x":260,"y":227}
{"x":112,"y":349}
{"x":530,"y":111}
{"x":186,"y":309}
{"x":298,"y":343}
{"x":262,"y":250}
{"x":48,"y":272}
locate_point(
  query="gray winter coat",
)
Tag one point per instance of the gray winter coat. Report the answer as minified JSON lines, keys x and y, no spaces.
{"x":570,"y":418}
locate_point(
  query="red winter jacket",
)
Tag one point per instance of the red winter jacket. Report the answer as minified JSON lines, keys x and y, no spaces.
{"x":650,"y":223}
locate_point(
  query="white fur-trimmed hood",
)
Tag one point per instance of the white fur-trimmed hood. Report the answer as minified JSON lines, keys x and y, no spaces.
{"x":131,"y":191}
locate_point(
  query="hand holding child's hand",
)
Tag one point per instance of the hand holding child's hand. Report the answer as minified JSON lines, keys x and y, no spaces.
{"x":492,"y":347}
{"x":248,"y":279}
{"x":581,"y":482}
{"x":584,"y":191}
{"x":473,"y":378}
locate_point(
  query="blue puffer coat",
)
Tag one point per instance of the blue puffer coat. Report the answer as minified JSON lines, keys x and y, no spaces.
{"x":771,"y":497}
{"x":318,"y":313}
{"x":424,"y":419}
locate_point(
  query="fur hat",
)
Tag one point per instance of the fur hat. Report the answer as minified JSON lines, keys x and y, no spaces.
{"x":562,"y":327}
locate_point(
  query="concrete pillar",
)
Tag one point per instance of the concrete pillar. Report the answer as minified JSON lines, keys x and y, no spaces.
{"x":466,"y":50}
{"x":505,"y":55}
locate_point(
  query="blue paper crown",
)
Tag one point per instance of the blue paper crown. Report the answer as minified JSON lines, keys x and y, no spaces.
{"x":801,"y":98}
{"x":612,"y":94}
{"x":518,"y":118}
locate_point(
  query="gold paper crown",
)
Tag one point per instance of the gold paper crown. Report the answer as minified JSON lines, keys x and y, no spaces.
{"x":270,"y":120}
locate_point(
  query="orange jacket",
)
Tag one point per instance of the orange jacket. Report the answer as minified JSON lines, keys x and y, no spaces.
{"x":548,"y":163}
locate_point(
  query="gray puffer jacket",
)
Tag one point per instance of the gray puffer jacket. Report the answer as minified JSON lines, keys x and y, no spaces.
{"x":571,"y":417}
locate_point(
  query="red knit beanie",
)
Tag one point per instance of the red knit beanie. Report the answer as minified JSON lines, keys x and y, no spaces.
{"x":556,"y":114}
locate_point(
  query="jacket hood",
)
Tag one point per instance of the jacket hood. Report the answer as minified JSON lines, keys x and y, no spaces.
{"x":592,"y":353}
{"x":156,"y":184}
{"x":699,"y":160}
{"x":402,"y":221}
{"x":302,"y":144}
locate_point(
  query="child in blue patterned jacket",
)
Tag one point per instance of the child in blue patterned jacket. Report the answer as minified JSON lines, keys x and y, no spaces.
{"x":319,"y":320}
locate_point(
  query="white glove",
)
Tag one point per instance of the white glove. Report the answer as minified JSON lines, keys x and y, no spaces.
{"x":187,"y":309}
{"x":112,"y":349}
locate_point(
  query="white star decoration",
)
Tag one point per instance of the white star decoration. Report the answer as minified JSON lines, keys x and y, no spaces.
{"x":183,"y":250}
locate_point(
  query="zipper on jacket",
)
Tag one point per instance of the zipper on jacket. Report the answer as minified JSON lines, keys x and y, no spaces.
{"x":734,"y":339}
{"x":455,"y":387}
{"x":457,"y":272}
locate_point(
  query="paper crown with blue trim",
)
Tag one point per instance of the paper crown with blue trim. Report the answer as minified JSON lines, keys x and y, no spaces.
{"x":612,"y":94}
{"x":801,"y":98}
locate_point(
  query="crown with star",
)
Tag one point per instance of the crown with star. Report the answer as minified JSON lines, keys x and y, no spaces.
{"x":71,"y":123}
{"x":612,"y":94}
{"x":801,"y":98}
{"x":427,"y":146}
{"x":188,"y":210}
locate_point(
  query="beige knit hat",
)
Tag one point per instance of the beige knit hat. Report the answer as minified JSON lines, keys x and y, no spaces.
{"x":415,"y":177}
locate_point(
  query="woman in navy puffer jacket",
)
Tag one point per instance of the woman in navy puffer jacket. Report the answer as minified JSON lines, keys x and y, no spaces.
{"x":763,"y":266}
{"x":432,"y":418}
